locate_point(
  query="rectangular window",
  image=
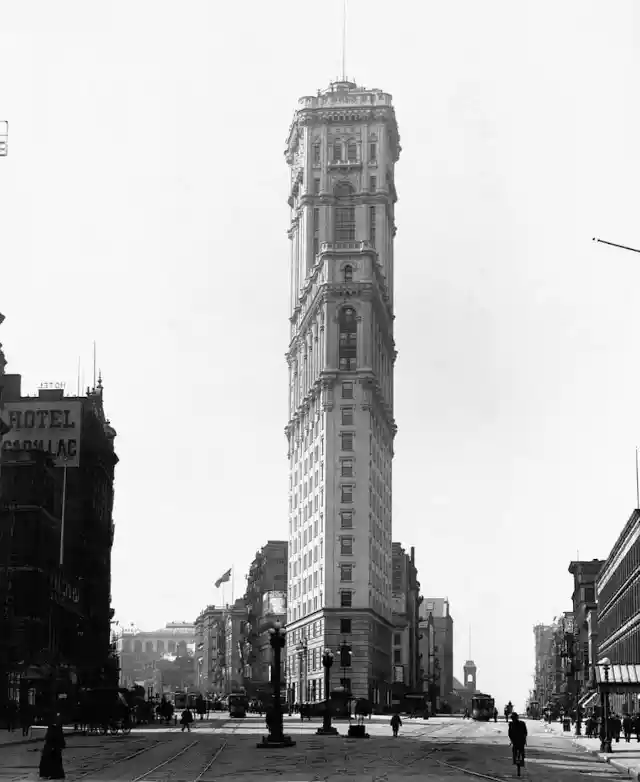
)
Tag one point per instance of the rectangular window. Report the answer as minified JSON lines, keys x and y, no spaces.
{"x":345,"y":599}
{"x":346,"y":519}
{"x":347,"y":416}
{"x":346,"y":547}
{"x":316,"y":186}
{"x":347,"y":390}
{"x":373,"y":183}
{"x":372,"y":226}
{"x":347,"y":365}
{"x":590,"y":594}
{"x":347,"y":441}
{"x":397,"y":656}
{"x":316,"y":220}
{"x":345,"y":227}
{"x":346,"y":466}
{"x":316,"y":153}
{"x":346,"y":572}
{"x":337,"y":151}
{"x":373,"y":151}
{"x":397,"y":639}
{"x":346,"y":493}
{"x":352,"y":152}
{"x":345,"y":626}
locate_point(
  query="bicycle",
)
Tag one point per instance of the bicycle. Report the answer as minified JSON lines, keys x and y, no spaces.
{"x":519,"y":758}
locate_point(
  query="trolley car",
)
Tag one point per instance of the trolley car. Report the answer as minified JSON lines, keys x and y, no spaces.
{"x":238,"y":704}
{"x":482,"y":707}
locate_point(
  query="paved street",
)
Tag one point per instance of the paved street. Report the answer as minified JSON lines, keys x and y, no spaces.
{"x":438,"y":749}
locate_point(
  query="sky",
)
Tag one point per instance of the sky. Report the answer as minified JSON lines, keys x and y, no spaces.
{"x":143,"y":206}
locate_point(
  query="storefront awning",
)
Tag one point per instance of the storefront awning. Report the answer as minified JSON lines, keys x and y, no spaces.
{"x":625,"y":678}
{"x":588,"y":700}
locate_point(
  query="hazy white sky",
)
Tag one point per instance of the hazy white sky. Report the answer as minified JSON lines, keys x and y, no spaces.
{"x":143,"y":205}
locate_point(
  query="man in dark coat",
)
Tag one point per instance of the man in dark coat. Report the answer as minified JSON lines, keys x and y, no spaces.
{"x":517,"y":736}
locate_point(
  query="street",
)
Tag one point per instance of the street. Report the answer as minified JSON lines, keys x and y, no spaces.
{"x":441,"y":749}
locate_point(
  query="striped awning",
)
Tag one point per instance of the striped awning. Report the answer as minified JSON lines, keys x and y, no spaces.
{"x":624,"y":677}
{"x":588,"y":700}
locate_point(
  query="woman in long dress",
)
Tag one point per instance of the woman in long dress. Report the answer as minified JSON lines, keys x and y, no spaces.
{"x":51,"y":759}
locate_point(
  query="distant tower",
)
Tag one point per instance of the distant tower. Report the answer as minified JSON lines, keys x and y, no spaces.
{"x":342,"y":149}
{"x":470,"y":675}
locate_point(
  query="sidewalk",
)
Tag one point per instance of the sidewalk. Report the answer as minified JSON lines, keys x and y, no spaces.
{"x":625,"y":757}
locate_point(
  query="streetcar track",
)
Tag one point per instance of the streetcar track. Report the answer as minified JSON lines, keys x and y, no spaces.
{"x":115,"y":762}
{"x":211,"y":762}
{"x":166,"y":762}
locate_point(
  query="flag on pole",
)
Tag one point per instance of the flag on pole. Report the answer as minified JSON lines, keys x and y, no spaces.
{"x":224,"y":578}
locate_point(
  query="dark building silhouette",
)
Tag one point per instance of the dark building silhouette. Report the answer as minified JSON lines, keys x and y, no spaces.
{"x":57,"y":462}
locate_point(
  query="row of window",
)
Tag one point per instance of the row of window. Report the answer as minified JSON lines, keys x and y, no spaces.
{"x":344,"y":227}
{"x":341,"y":151}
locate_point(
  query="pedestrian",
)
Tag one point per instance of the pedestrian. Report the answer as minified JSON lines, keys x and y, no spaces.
{"x":395,"y":723}
{"x":495,"y":715}
{"x":51,"y":759}
{"x":26,"y":719}
{"x":626,"y":727}
{"x":12,"y":712}
{"x":186,"y":719}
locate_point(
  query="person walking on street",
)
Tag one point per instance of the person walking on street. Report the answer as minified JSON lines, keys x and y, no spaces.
{"x":395,"y":723}
{"x":12,"y":713}
{"x":626,"y":727}
{"x":186,"y":719}
{"x":51,"y":759}
{"x":25,"y":719}
{"x":495,"y":714}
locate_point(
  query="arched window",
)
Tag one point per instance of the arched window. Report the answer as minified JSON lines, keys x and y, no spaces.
{"x":348,"y":329}
{"x":137,"y":646}
{"x":352,"y":152}
{"x":172,"y":647}
{"x":148,"y":647}
{"x":348,"y":273}
{"x":160,"y":647}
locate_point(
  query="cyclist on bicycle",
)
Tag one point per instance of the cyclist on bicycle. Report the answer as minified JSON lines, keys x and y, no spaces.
{"x":517,"y":736}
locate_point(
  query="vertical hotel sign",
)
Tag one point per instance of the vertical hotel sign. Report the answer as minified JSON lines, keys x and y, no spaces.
{"x":46,"y":426}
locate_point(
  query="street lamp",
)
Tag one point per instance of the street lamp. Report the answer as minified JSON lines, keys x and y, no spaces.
{"x":605,"y":734}
{"x":327,"y":729}
{"x":301,"y":648}
{"x":276,"y":737}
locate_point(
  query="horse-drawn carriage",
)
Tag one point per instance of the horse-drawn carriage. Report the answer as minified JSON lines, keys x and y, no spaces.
{"x":104,"y":711}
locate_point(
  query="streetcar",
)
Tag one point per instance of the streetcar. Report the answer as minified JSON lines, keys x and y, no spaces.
{"x":533,"y":710}
{"x":238,"y":704}
{"x":482,"y":707}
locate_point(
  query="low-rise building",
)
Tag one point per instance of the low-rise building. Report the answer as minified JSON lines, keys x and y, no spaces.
{"x":584,"y":602}
{"x":140,"y":651}
{"x":618,"y":598}
{"x":405,"y":601}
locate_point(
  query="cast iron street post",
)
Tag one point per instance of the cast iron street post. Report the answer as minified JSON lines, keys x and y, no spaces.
{"x":327,"y":729}
{"x":605,"y":744}
{"x":276,"y":737}
{"x":301,"y":648}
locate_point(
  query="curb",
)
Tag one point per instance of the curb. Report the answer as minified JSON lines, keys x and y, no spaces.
{"x":631,"y":771}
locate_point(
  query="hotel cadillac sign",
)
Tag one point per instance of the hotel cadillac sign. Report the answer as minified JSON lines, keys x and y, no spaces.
{"x":46,"y":426}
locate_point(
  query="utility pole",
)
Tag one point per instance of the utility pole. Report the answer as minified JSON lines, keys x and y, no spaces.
{"x":613,"y":244}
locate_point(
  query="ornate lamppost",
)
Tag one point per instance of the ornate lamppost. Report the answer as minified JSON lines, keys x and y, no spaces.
{"x":327,"y":728}
{"x":605,"y":733}
{"x":276,"y":737}
{"x":301,"y":648}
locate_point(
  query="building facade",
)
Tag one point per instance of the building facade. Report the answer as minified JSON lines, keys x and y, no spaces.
{"x":265,"y":601}
{"x":342,"y":148}
{"x":221,"y":649}
{"x":71,"y":518}
{"x":140,"y":652}
{"x":544,"y":663}
{"x":406,"y":601}
{"x":438,"y":607}
{"x":584,"y":603}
